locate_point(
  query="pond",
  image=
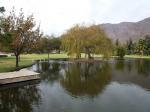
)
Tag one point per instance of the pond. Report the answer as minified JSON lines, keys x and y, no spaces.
{"x":103,"y":86}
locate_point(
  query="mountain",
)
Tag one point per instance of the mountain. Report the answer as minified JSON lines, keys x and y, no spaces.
{"x":125,"y":30}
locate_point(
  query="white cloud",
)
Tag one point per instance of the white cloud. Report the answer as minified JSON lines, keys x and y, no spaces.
{"x":58,"y":15}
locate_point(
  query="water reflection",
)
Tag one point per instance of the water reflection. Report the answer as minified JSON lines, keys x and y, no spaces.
{"x":19,"y":99}
{"x":120,"y":65}
{"x":135,"y":71}
{"x":51,"y":73}
{"x":143,"y":67}
{"x":107,"y":86}
{"x":86,"y":79}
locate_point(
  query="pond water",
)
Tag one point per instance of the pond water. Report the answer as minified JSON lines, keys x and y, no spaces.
{"x":105,"y":86}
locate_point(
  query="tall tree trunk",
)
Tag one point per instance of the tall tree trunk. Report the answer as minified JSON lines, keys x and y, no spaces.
{"x":88,"y":53}
{"x":19,"y":58}
{"x":78,"y":56}
{"x":58,"y":51}
{"x":17,"y":61}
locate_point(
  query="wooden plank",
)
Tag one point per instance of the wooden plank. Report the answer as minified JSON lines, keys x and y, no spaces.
{"x":18,"y":76}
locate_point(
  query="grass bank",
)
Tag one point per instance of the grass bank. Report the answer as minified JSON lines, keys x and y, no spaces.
{"x":8,"y":63}
{"x":137,"y":56}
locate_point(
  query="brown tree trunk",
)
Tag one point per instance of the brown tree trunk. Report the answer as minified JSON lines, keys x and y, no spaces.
{"x":17,"y":61}
{"x":58,"y":51}
{"x":78,"y":56}
{"x":88,"y":53}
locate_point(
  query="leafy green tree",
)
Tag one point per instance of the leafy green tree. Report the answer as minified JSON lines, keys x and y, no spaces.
{"x":44,"y":46}
{"x":147,"y":41}
{"x":96,"y":41}
{"x":48,"y":44}
{"x":6,"y":40}
{"x":141,"y":46}
{"x":5,"y":37}
{"x":130,"y":46}
{"x":87,"y":40}
{"x":71,"y":41}
{"x":55,"y":44}
{"x":121,"y":52}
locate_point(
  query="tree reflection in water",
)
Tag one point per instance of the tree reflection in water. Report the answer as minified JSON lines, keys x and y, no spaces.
{"x":143,"y":67}
{"x":86,"y":79}
{"x":50,"y":72}
{"x":120,"y":65}
{"x":19,"y":99}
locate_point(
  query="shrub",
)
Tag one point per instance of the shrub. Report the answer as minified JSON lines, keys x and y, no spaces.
{"x":121,"y":52}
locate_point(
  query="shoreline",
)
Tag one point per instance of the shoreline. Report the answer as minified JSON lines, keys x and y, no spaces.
{"x":27,"y":60}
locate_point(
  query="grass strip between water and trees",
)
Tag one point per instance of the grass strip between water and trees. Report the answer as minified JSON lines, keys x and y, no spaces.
{"x":7,"y":64}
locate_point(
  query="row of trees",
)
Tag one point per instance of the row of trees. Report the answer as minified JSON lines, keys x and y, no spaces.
{"x":48,"y":44}
{"x":19,"y":34}
{"x":77,"y":40}
{"x":140,"y":47}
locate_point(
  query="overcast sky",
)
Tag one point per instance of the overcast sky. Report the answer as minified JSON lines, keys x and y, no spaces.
{"x":56,"y":16}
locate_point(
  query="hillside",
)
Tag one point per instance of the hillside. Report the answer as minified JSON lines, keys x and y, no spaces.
{"x":125,"y":30}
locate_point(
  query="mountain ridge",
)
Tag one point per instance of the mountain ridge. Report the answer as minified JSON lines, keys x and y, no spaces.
{"x":126,"y":30}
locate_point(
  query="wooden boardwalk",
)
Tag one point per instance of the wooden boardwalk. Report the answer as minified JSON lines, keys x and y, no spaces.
{"x":18,"y":76}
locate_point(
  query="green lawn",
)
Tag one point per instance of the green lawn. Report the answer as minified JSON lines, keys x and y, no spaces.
{"x":8,"y":63}
{"x":137,"y":56}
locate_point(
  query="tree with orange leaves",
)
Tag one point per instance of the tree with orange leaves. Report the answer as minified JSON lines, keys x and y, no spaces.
{"x":22,"y":33}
